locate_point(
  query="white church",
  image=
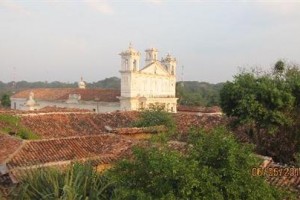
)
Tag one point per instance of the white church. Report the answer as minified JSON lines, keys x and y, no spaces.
{"x":141,"y":88}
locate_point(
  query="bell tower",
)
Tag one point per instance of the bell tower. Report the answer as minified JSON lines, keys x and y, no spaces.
{"x":130,"y":59}
{"x":130,"y":64}
{"x":151,"y":55}
{"x":170,"y":64}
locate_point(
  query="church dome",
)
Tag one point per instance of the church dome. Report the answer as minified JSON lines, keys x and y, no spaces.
{"x":81,"y":84}
{"x":30,"y":101}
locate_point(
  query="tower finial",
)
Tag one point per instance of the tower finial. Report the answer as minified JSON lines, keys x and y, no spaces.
{"x":130,"y":45}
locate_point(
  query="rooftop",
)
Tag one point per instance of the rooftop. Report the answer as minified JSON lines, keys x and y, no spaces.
{"x":287,"y":176}
{"x":57,"y":151}
{"x":8,"y":145}
{"x":54,"y":94}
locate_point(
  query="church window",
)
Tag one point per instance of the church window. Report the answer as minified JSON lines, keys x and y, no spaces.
{"x":134,"y":65}
{"x":126,"y":64}
{"x":141,"y":105}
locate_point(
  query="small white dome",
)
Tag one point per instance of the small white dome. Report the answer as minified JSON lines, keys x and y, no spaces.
{"x":30,"y":101}
{"x":81,"y":84}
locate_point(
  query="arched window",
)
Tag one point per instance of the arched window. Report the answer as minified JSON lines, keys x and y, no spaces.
{"x":134,"y":65}
{"x":126,"y":64}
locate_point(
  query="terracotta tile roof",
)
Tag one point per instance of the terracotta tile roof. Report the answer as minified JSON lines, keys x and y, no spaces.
{"x":281,"y":176}
{"x":52,"y":94}
{"x":184,"y":122}
{"x":8,"y":145}
{"x":139,"y":130}
{"x":54,"y":151}
{"x":50,"y":109}
{"x":213,"y":109}
{"x":66,"y":125}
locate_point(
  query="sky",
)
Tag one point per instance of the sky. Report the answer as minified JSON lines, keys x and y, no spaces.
{"x":62,"y":40}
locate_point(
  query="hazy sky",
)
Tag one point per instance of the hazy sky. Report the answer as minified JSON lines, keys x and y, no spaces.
{"x":63,"y":40}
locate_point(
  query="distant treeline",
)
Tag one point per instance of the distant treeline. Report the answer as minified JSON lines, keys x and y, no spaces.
{"x":189,"y":92}
{"x":194,"y":93}
{"x":11,"y":87}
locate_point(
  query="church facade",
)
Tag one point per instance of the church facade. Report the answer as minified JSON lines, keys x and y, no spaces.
{"x":153,"y":84}
{"x":141,"y":87}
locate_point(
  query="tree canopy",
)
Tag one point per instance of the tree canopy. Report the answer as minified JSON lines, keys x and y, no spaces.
{"x":267,"y":104}
{"x":5,"y":100}
{"x":215,"y":167}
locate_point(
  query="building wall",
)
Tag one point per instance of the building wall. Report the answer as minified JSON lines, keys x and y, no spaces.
{"x":147,"y":85}
{"x":99,"y":107}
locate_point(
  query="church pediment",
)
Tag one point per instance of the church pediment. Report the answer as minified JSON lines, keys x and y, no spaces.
{"x":155,"y":68}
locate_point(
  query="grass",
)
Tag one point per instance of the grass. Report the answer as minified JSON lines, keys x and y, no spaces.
{"x":11,"y":125}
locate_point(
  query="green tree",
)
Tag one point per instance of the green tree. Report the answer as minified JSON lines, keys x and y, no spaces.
{"x":266,"y":105}
{"x":155,"y":116}
{"x":5,"y":100}
{"x":279,"y":66}
{"x":194,"y":93}
{"x":215,"y":166}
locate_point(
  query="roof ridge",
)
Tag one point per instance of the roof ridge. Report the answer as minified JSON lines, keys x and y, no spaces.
{"x":101,"y":134}
{"x":92,"y":158}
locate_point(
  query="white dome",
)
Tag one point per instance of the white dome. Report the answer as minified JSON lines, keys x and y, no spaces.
{"x":81,"y":84}
{"x":30,"y":101}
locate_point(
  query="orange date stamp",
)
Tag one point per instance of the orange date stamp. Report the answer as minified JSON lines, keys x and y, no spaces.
{"x":275,"y":171}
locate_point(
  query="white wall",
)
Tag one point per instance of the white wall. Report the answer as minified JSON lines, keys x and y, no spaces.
{"x":98,"y":107}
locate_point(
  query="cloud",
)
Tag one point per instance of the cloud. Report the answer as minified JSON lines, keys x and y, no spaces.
{"x":101,"y":6}
{"x":14,"y":7}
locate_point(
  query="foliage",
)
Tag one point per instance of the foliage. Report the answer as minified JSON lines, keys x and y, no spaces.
{"x":155,"y":116}
{"x":193,"y":93}
{"x":79,"y":181}
{"x":279,"y":66}
{"x":5,"y":100}
{"x":267,"y":105}
{"x":112,"y":82}
{"x":215,"y":167}
{"x":12,"y":125}
{"x":11,"y":87}
{"x":262,"y":101}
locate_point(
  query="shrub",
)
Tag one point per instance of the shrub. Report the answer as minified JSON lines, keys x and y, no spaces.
{"x":155,"y":116}
{"x":5,"y":100}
